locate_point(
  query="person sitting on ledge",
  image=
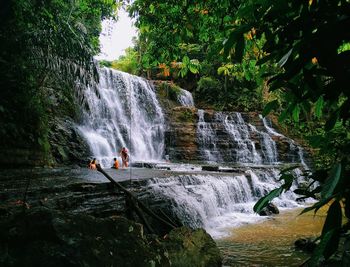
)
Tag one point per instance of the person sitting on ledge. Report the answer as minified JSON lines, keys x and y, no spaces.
{"x":92,"y":164}
{"x":115,"y":164}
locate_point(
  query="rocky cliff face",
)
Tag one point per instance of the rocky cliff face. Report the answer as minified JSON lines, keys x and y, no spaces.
{"x":183,"y":139}
{"x":66,"y":144}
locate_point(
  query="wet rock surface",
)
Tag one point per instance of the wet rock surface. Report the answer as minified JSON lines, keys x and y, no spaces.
{"x":69,"y":221}
{"x":183,"y":143}
{"x":67,"y":145}
{"x":44,"y":237}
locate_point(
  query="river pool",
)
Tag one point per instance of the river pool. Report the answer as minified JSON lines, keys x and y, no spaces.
{"x":271,"y":242}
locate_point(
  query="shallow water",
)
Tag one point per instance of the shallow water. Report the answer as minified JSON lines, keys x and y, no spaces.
{"x":271,"y":243}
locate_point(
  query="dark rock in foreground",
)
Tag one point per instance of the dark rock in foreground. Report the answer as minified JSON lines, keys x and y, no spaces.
{"x":189,"y":248}
{"x":305,"y":244}
{"x":45,"y":237}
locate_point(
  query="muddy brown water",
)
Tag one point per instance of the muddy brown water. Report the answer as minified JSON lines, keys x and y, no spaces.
{"x":271,"y":243}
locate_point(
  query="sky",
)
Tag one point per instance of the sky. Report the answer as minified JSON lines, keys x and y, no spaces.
{"x":116,"y":36}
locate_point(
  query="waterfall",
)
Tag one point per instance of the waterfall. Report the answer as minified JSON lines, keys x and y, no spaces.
{"x":122,"y":111}
{"x":268,"y":146}
{"x":294,"y":148}
{"x":238,"y":130}
{"x":207,"y":140}
{"x":215,"y":202}
{"x":228,"y":137}
{"x":185,"y":98}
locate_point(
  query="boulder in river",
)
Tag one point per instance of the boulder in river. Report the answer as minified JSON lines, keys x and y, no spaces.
{"x":305,"y":244}
{"x":269,"y":210}
{"x":188,"y":248}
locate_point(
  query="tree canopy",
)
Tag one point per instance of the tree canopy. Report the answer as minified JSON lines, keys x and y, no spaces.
{"x":40,"y":43}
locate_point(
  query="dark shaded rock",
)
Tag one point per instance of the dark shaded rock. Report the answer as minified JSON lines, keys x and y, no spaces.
{"x":346,"y":253}
{"x":42,"y":237}
{"x":305,"y":244}
{"x":189,"y":248}
{"x":269,"y":210}
{"x":67,"y":145}
{"x":231,"y":170}
{"x":22,"y":157}
{"x":147,"y":165}
{"x":210,"y":168}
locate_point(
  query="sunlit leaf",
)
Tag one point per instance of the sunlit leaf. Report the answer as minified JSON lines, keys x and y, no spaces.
{"x":285,"y":58}
{"x":296,"y":113}
{"x":318,"y":107}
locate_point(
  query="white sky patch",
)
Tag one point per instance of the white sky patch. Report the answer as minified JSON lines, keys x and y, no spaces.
{"x":116,"y":36}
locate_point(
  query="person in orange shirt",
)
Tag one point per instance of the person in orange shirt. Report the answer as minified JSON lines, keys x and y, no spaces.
{"x":115,"y":164}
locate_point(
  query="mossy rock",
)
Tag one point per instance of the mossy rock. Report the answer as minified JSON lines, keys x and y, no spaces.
{"x":184,"y":114}
{"x":43,"y":237}
{"x":192,"y":248}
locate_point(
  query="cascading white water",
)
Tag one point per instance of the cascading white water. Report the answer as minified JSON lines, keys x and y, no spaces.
{"x":293,"y":146}
{"x":207,"y":140}
{"x":216,"y":202}
{"x":227,"y":137}
{"x":269,"y":148}
{"x":122,"y":111}
{"x":185,"y":98}
{"x":239,"y":131}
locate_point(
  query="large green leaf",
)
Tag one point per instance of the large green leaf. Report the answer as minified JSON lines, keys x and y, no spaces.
{"x":296,"y":113}
{"x":288,"y":179}
{"x":330,"y":234}
{"x":262,"y":202}
{"x":331,"y":121}
{"x":235,"y":37}
{"x":239,"y":48}
{"x":318,"y":107}
{"x":334,"y":218}
{"x":320,"y":249}
{"x":331,"y":182}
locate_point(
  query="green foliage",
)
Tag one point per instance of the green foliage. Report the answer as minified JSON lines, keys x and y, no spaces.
{"x":288,"y":177}
{"x":169,"y":90}
{"x":41,"y":43}
{"x":309,"y":42}
{"x":207,"y":88}
{"x":105,"y":63}
{"x":186,"y":116}
{"x":128,"y":62}
{"x":188,"y":65}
